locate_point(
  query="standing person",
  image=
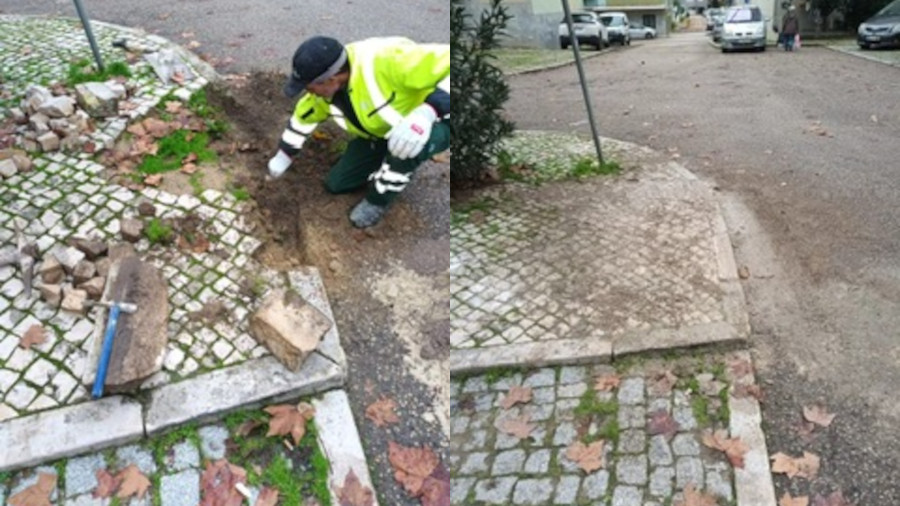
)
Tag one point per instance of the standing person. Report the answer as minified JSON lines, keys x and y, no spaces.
{"x":390,"y":94}
{"x":790,"y":28}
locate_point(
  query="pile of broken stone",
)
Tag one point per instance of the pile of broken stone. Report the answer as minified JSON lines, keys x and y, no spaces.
{"x":73,"y":275}
{"x":55,"y":120}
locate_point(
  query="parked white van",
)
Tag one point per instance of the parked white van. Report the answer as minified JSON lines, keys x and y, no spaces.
{"x":744,"y":27}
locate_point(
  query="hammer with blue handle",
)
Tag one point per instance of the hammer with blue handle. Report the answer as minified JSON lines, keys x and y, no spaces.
{"x":114,"y":309}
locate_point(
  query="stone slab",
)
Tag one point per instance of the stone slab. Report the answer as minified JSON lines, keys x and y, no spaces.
{"x":753,"y":483}
{"x":253,"y":382}
{"x":64,"y":432}
{"x":339,"y":440}
{"x":721,"y":334}
{"x":308,"y":283}
{"x":289,"y":327}
{"x":563,"y":351}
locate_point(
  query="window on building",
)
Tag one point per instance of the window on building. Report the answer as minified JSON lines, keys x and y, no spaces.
{"x":649,"y":20}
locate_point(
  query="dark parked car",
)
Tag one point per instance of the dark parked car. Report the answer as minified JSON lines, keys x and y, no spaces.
{"x":882,"y":29}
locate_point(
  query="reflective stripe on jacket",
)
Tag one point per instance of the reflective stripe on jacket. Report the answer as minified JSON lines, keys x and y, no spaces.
{"x":389,"y":77}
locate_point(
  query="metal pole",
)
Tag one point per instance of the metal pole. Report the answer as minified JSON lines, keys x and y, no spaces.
{"x":584,"y":88}
{"x":90,"y":35}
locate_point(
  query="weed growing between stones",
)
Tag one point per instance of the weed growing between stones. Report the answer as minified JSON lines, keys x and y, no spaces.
{"x":83,"y":71}
{"x":174,"y":148}
{"x":158,"y":232}
{"x":590,"y":411}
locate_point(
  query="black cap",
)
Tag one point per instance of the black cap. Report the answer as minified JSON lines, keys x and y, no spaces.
{"x":318,"y":58}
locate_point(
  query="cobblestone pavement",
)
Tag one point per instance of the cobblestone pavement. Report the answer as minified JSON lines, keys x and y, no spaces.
{"x":67,"y":196}
{"x":594,"y":259}
{"x":652,"y":423}
{"x":174,"y":463}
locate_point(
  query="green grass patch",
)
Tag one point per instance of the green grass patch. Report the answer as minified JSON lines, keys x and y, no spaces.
{"x":700,"y":407}
{"x":158,"y":232}
{"x":586,"y":167}
{"x":173,"y":148}
{"x":83,"y":71}
{"x":511,"y":60}
{"x":240,"y":193}
{"x":723,"y":414}
{"x":196,"y":182}
{"x":162,"y":444}
{"x":280,"y":476}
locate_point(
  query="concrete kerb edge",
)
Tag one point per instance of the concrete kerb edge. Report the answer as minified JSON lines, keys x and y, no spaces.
{"x":753,"y":482}
{"x":861,"y":55}
{"x":568,"y":351}
{"x":204,"y":69}
{"x":532,"y":70}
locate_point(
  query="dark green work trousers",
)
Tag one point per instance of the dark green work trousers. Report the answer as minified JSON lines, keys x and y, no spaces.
{"x":368,"y":161}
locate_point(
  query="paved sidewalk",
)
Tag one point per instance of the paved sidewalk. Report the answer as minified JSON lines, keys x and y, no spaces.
{"x":211,"y":367}
{"x":580,"y":270}
{"x":550,"y":283}
{"x":650,"y":416}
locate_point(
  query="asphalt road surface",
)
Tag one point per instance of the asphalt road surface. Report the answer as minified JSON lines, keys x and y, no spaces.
{"x":804,"y":149}
{"x":242,"y":36}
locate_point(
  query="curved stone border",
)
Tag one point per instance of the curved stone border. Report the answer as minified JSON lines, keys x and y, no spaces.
{"x":551,"y":66}
{"x":864,"y":56}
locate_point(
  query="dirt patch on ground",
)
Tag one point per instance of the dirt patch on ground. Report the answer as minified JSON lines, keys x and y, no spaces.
{"x":301,"y":223}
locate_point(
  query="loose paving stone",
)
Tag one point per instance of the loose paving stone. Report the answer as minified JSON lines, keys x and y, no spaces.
{"x":81,"y":474}
{"x":494,"y":490}
{"x":661,"y":480}
{"x":689,"y":470}
{"x":538,"y":462}
{"x":594,"y":485}
{"x":627,"y":496}
{"x":632,"y":469}
{"x":459,"y":489}
{"x":508,"y":462}
{"x":212,"y":442}
{"x":182,"y":489}
{"x":533,"y":492}
{"x":660,"y":453}
{"x":685,"y":444}
{"x":182,"y":456}
{"x":134,"y":454}
{"x":567,"y":490}
{"x":475,"y":463}
{"x":632,"y":441}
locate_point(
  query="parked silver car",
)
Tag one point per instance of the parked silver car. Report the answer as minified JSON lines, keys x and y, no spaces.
{"x":882,"y":29}
{"x":637,"y":31}
{"x":744,"y":28}
{"x":588,"y":29}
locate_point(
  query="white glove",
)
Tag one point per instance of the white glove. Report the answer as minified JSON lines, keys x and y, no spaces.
{"x":408,"y":138}
{"x":279,"y":164}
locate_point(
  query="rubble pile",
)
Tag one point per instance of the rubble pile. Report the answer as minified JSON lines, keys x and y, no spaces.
{"x":55,"y":120}
{"x":71,"y":276}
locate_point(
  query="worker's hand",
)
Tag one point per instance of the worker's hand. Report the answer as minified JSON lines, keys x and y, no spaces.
{"x":407,"y":139}
{"x":279,"y":164}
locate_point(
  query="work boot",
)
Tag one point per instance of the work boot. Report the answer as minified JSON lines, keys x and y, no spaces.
{"x":366,"y":214}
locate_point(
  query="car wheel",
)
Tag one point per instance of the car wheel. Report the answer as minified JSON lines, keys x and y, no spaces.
{"x":563,"y":44}
{"x":649,"y":36}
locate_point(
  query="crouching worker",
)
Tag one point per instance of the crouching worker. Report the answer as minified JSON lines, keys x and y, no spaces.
{"x":390,"y":94}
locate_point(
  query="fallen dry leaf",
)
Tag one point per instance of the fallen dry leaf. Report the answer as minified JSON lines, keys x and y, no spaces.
{"x":515,"y":396}
{"x":189,"y":168}
{"x":588,"y":457}
{"x":381,"y":412}
{"x":217,"y":484}
{"x":353,"y":493}
{"x":693,"y":497}
{"x":156,"y":127}
{"x":787,"y":500}
{"x":436,"y":488}
{"x":288,"y":419}
{"x":35,"y":334}
{"x":153,"y":180}
{"x":662,"y":423}
{"x":107,"y":484}
{"x":37,"y":494}
{"x":187,"y":35}
{"x":247,"y":427}
{"x":173,"y":106}
{"x":194,"y":44}
{"x":133,"y":483}
{"x":733,"y":448}
{"x":191,"y":157}
{"x":818,"y":415}
{"x":742,"y":391}
{"x":607,"y":382}
{"x":740,"y":368}
{"x":663,"y":383}
{"x":411,"y":465}
{"x":836,"y":498}
{"x":518,"y":427}
{"x":744,"y":272}
{"x":178,"y":78}
{"x":806,"y":466}
{"x":267,"y":497}
{"x":137,"y":129}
